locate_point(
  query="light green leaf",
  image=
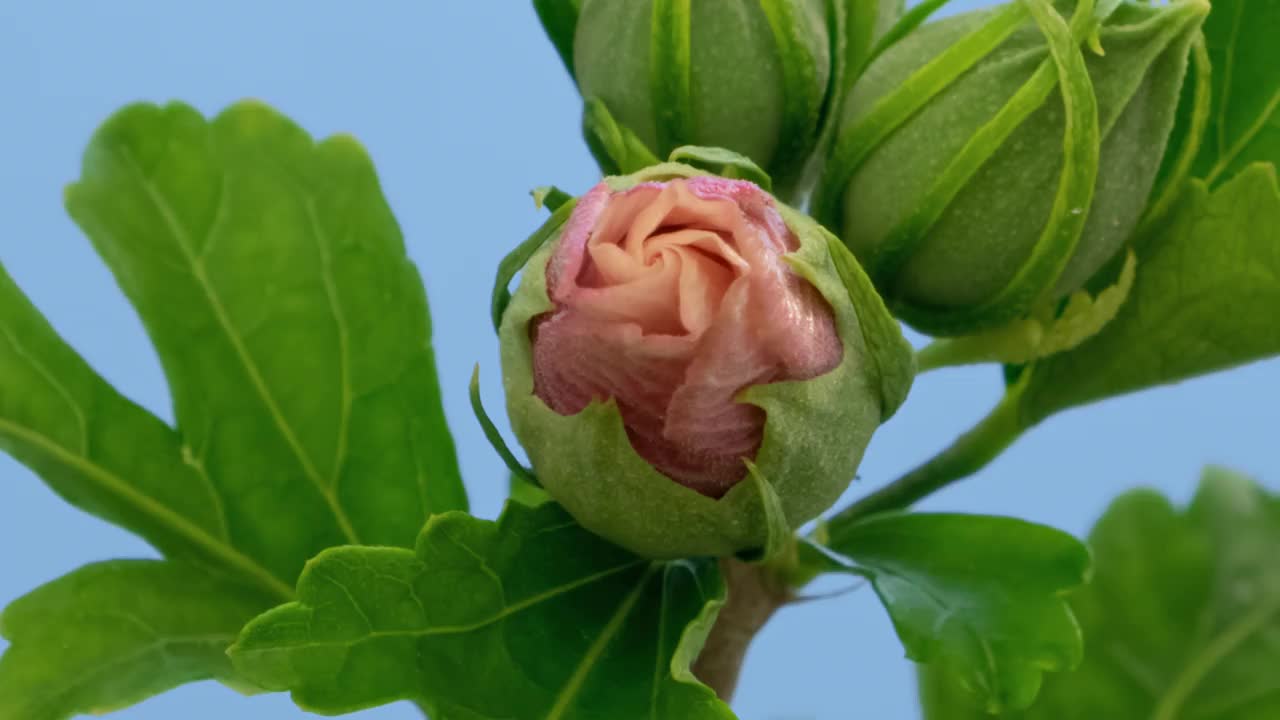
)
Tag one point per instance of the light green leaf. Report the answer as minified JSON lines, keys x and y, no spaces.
{"x":1204,"y":300}
{"x":1244,"y":119}
{"x":114,"y":633}
{"x":1181,"y":621}
{"x":103,"y":453}
{"x":273,"y":281}
{"x":980,"y":598}
{"x":291,"y":325}
{"x":529,"y":617}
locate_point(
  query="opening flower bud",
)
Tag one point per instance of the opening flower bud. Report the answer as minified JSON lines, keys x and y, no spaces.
{"x":675,"y":326}
{"x":745,"y":75}
{"x":953,"y":204}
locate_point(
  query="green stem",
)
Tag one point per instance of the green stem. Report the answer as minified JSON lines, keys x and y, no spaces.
{"x":967,"y":455}
{"x":953,"y":352}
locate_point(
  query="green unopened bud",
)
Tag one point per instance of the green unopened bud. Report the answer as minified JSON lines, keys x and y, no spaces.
{"x":747,"y":75}
{"x":991,"y":163}
{"x":691,"y":365}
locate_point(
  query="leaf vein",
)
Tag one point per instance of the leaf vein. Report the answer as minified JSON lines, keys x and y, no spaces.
{"x":183,"y":242}
{"x":177,"y":522}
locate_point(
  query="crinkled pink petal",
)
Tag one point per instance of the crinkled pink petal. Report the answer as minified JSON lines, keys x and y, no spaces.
{"x":671,"y":298}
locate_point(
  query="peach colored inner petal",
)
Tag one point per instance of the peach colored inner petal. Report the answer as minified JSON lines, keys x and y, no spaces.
{"x":662,"y":258}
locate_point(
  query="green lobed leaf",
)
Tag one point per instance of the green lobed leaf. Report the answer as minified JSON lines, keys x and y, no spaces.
{"x":1181,"y":621}
{"x":979,"y":597}
{"x":1204,"y":300}
{"x":295,"y":337}
{"x":292,"y":327}
{"x":114,"y":633}
{"x":528,"y":617}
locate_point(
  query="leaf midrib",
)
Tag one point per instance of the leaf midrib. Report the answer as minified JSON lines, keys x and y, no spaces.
{"x":500,"y":615}
{"x":178,"y":523}
{"x":1198,"y":667}
{"x":1227,"y":155}
{"x":196,"y":265}
{"x":579,"y":677}
{"x":52,"y":698}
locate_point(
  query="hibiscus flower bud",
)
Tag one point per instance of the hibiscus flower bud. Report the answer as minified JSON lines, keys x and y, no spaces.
{"x":744,"y":75}
{"x":676,"y":325}
{"x":958,"y":208}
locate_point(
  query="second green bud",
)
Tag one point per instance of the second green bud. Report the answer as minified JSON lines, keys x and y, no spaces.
{"x":948,"y":191}
{"x":748,"y":75}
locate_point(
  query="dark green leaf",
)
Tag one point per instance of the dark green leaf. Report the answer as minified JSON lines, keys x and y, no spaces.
{"x":114,"y":633}
{"x":1182,"y":620}
{"x":1204,"y":300}
{"x":106,"y":455}
{"x":979,"y":597}
{"x":292,"y":327}
{"x":529,"y":617}
{"x":1244,"y":119}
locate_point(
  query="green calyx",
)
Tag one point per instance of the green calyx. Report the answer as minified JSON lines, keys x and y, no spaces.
{"x":748,"y":75}
{"x":814,"y":436}
{"x":989,"y":164}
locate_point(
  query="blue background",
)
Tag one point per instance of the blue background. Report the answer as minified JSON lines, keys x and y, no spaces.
{"x":465,"y":107}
